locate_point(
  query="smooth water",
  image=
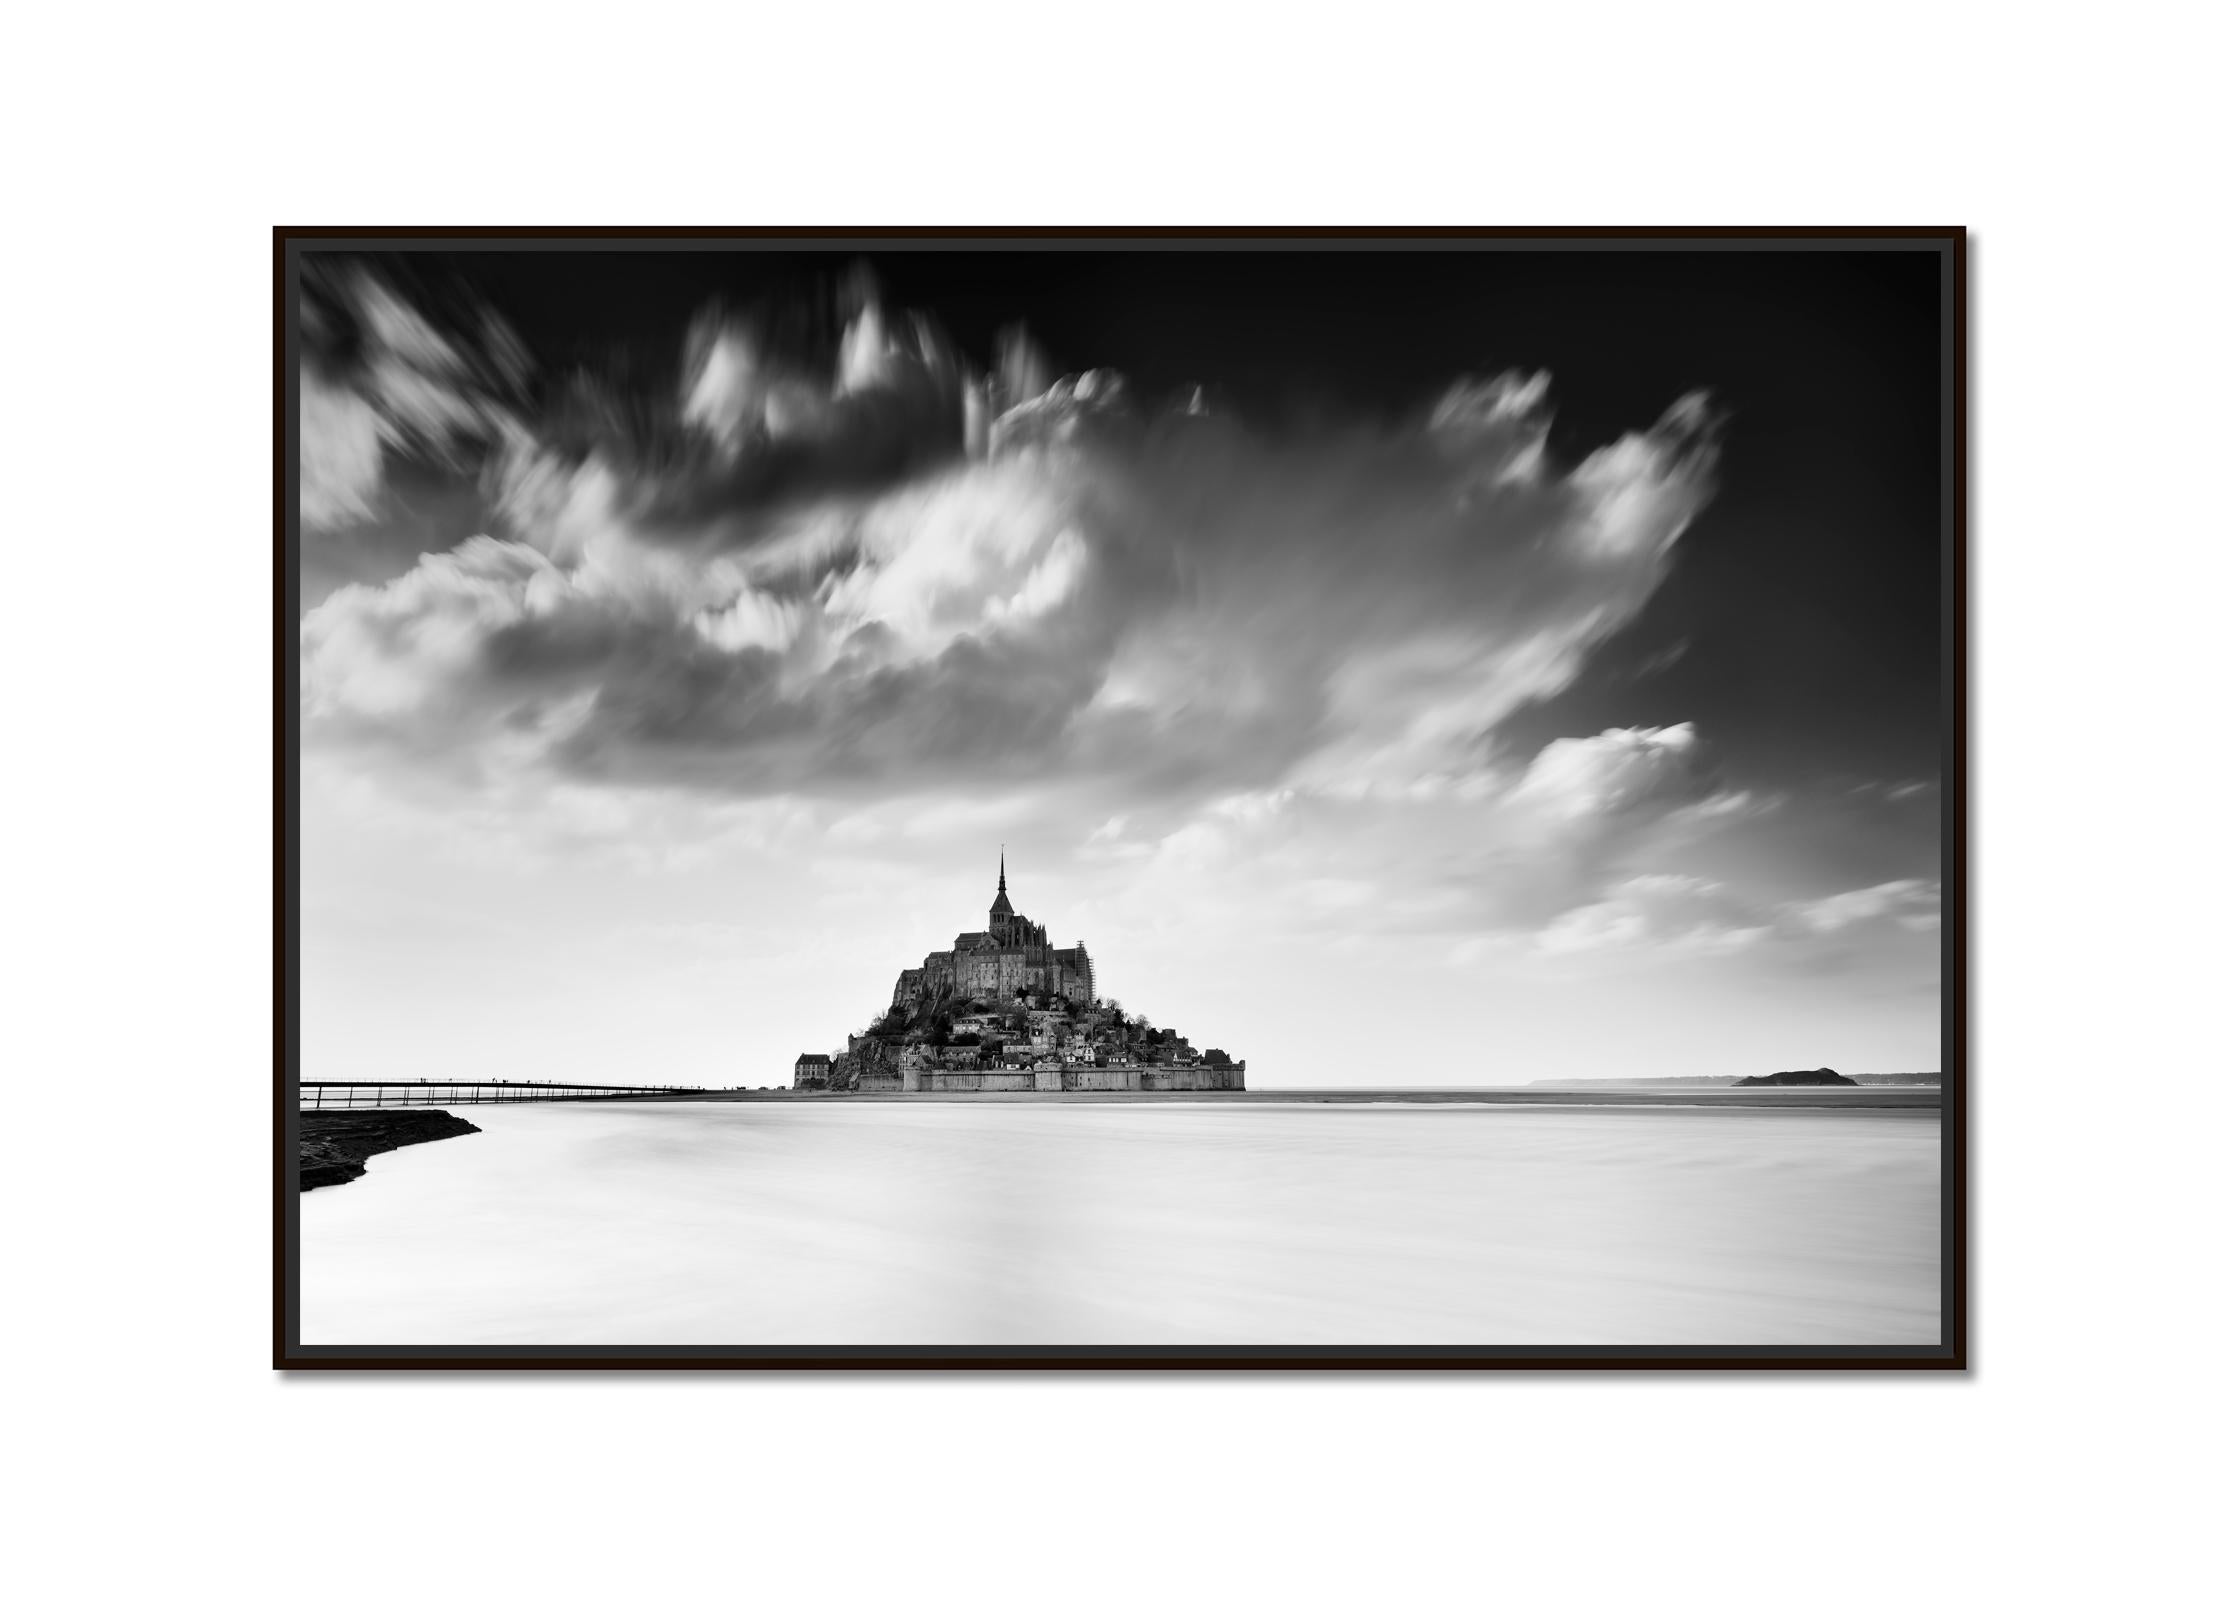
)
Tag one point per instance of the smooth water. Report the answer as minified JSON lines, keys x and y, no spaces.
{"x":822,"y":1222}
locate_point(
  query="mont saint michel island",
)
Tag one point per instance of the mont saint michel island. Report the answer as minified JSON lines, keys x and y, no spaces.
{"x":1004,"y":1010}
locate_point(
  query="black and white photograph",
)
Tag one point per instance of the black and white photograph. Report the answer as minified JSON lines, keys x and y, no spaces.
{"x":1130,"y":799}
{"x":1081,"y":802}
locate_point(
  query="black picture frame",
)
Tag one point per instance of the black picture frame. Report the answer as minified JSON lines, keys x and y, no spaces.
{"x":1949,"y":1355}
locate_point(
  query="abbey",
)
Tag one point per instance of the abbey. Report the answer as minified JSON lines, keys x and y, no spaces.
{"x":1012,"y":956}
{"x":1006,"y":1011}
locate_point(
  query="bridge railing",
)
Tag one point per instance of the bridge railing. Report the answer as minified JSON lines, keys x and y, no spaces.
{"x":331,"y":1094}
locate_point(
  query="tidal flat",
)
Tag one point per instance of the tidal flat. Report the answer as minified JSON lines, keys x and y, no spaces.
{"x":770,"y":1220}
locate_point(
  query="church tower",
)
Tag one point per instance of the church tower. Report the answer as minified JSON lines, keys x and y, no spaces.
{"x":1000,"y":915}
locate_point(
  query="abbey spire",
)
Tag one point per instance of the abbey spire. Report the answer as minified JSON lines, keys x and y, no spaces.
{"x":1000,"y":915}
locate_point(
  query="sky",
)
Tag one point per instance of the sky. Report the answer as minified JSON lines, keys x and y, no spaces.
{"x":1398,"y":667}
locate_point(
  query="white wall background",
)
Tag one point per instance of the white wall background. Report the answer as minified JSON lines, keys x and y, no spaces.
{"x":152,"y":148}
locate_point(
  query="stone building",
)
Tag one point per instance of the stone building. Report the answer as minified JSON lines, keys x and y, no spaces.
{"x":1011,"y":955}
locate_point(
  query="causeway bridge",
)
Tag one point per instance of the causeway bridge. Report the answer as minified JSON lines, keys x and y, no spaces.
{"x":341,"y":1094}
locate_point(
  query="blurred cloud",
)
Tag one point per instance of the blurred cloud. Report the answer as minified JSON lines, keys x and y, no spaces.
{"x":804,"y":579}
{"x":379,"y":379}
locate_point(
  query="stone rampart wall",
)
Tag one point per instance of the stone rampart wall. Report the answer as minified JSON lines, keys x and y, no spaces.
{"x":1045,"y":1078}
{"x":933,"y":1080}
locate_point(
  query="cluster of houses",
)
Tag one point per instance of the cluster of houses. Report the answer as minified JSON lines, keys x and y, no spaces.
{"x":904,"y":1053}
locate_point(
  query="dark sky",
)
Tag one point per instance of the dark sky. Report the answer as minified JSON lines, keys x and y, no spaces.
{"x":1800,"y":628}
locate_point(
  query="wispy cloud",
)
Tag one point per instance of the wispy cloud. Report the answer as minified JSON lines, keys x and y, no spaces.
{"x":1665,"y":911}
{"x":1911,"y":903}
{"x":1687,"y":915}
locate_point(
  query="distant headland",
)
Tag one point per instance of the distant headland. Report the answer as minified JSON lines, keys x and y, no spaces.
{"x":1005,"y":1010}
{"x":1820,"y":1075}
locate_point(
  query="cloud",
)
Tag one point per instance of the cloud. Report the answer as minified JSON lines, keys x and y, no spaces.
{"x":1618,"y":773}
{"x":1587,"y":812}
{"x":1627,"y":791}
{"x":1914,"y":904}
{"x":780,"y":408}
{"x":1661,"y":660}
{"x":338,"y":478}
{"x":1667,"y":911}
{"x":802,"y":571}
{"x":379,"y":378}
{"x":1681,"y":914}
{"x":1493,"y":854}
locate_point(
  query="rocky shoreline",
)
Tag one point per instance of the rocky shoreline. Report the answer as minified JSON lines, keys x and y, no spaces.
{"x":332,"y":1146}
